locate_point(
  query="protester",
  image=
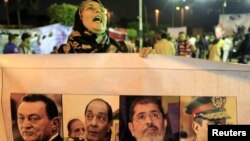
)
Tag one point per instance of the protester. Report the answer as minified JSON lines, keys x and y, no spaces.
{"x":227,"y":46}
{"x":163,"y":46}
{"x":244,"y":49}
{"x":184,"y":47}
{"x":24,"y":47}
{"x":89,"y":31}
{"x":147,"y":120}
{"x":214,"y":51}
{"x":11,"y":46}
{"x":98,"y":120}
{"x":38,"y":119}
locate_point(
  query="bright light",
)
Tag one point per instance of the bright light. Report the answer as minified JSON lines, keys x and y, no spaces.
{"x":5,"y":1}
{"x":187,"y":7}
{"x":157,"y":11}
{"x":225,"y":4}
{"x":177,"y":8}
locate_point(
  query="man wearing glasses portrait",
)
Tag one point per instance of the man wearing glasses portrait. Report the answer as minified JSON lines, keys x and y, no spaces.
{"x":146,"y":119}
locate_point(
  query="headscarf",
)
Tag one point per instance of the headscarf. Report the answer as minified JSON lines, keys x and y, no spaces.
{"x":78,"y":25}
{"x":81,"y":40}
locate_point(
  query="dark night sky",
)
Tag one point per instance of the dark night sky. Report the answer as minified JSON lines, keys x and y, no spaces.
{"x":203,"y":13}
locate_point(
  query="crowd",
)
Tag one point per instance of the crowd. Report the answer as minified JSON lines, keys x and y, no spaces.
{"x":90,"y":35}
{"x":25,"y":46}
{"x":233,"y":48}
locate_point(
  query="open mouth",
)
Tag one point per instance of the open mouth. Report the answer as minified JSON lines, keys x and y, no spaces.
{"x":98,"y":19}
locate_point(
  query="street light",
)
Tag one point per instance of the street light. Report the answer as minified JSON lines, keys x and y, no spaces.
{"x":224,"y":6}
{"x":177,"y":8}
{"x":7,"y":11}
{"x":182,"y":9}
{"x":157,"y":11}
{"x":186,"y":7}
{"x":140,"y":26}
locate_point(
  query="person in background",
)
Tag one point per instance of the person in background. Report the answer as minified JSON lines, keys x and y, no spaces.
{"x":89,"y":31}
{"x":11,"y":46}
{"x":76,"y":129}
{"x":24,"y":47}
{"x":163,"y":46}
{"x":184,"y":47}
{"x":214,"y":51}
{"x":202,"y":44}
{"x":227,"y":46}
{"x":244,"y":49}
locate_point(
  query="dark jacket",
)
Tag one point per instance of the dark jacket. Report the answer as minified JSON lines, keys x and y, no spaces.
{"x":58,"y":138}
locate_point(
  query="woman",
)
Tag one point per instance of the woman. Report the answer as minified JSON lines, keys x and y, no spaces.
{"x":214,"y":51}
{"x":89,"y":31}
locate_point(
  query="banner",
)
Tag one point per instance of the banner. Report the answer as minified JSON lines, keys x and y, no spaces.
{"x":231,"y":22}
{"x":174,"y":31}
{"x":47,"y":36}
{"x":72,"y":81}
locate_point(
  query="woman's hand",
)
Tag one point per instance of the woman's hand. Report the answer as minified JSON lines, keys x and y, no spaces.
{"x":146,"y":51}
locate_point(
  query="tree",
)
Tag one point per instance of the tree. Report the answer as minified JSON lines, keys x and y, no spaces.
{"x":131,"y":33}
{"x":62,"y":13}
{"x":19,"y":5}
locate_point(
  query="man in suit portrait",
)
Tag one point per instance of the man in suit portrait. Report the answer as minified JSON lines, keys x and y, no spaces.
{"x":38,"y":118}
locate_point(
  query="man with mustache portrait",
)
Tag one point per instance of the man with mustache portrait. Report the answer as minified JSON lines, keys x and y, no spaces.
{"x":146,"y":119}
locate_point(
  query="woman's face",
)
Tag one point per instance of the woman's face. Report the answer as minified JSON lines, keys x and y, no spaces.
{"x":94,"y":17}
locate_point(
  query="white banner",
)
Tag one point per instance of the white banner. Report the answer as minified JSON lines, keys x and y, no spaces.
{"x":174,"y":31}
{"x":230,"y":22}
{"x":112,"y":75}
{"x":50,"y":36}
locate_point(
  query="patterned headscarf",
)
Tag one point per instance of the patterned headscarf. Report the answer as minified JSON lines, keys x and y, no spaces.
{"x":81,"y":40}
{"x":78,"y":25}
